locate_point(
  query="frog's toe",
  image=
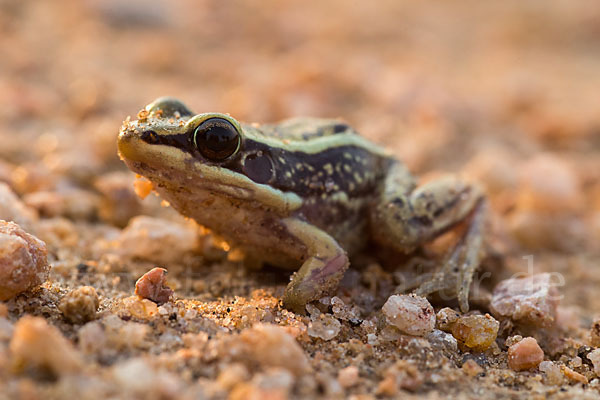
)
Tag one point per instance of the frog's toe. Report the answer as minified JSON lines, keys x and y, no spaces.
{"x":315,"y":279}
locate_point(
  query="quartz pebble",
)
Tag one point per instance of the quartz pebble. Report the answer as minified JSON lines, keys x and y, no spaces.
{"x":411,"y":314}
{"x":531,"y":300}
{"x":594,"y":357}
{"x":553,"y":373}
{"x":270,"y":346}
{"x":80,"y":305}
{"x":39,"y":345}
{"x":158,"y":240}
{"x":525,"y":354}
{"x":476,"y":332}
{"x":442,"y":340}
{"x":23,"y":262}
{"x":324,"y":326}
{"x":153,"y":286}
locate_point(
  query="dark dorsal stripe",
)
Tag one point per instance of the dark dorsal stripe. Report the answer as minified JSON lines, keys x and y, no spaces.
{"x":349,"y":169}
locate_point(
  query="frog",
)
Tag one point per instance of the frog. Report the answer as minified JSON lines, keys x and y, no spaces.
{"x":307,"y":194}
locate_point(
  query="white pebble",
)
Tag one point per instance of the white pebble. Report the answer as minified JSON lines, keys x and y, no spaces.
{"x":411,"y":314}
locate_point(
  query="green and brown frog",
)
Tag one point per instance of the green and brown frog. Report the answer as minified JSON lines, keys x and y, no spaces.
{"x":305,"y":194}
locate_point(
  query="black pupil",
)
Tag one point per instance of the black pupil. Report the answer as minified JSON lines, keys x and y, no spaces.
{"x":216,"y":139}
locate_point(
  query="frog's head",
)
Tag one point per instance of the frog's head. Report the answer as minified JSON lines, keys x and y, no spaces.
{"x":182,"y":152}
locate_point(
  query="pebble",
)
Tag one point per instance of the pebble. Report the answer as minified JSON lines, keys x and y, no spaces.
{"x":324,"y":326}
{"x":348,"y":377}
{"x":140,"y":308}
{"x":530,"y":300}
{"x":553,"y":373}
{"x":573,"y":376}
{"x":157,"y":240}
{"x":39,"y":345}
{"x":13,"y":209}
{"x":594,"y":357}
{"x":471,"y":368}
{"x":525,"y":354}
{"x":595,"y":333}
{"x":445,"y":319}
{"x":411,"y":314}
{"x":23,"y":263}
{"x":153,"y":286}
{"x":476,"y":332}
{"x":537,"y":193}
{"x":269,"y":346}
{"x":442,"y":340}
{"x":80,"y":305}
{"x":119,"y":201}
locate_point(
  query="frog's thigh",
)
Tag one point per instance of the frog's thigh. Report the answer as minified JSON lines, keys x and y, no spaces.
{"x":405,"y":218}
{"x":322,"y":270}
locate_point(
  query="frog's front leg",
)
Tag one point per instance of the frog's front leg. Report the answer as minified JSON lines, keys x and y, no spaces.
{"x":321,"y":271}
{"x":406,"y":217}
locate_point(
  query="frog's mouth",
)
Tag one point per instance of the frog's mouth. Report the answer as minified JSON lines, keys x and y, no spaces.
{"x":171,"y":167}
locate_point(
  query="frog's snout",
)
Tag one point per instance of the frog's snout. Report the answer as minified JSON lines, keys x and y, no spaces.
{"x":128,"y":144}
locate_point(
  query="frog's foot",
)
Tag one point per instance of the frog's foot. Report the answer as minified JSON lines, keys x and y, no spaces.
{"x":322,"y":270}
{"x":456,"y":274}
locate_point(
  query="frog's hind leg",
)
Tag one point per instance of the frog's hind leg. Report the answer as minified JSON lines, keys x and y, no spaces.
{"x":406,"y":217}
{"x":321,"y":271}
{"x":460,"y":264}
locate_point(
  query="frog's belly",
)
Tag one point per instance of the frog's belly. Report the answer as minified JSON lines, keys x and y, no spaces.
{"x":259,"y":232}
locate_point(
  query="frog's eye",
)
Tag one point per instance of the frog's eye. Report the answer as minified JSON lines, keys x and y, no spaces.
{"x":216,"y":139}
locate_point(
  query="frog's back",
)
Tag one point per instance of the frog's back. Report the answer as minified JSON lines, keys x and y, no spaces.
{"x":335,"y":171}
{"x":306,"y":128}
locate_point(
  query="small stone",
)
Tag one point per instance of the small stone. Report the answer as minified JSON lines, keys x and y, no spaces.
{"x":231,"y":375}
{"x":573,"y":376}
{"x":525,"y":355}
{"x":80,"y":305}
{"x":411,"y":314}
{"x":594,"y":357}
{"x":153,"y":286}
{"x":401,"y":375}
{"x":445,"y":319}
{"x":91,"y":338}
{"x":341,"y":311}
{"x":270,"y":346}
{"x":471,"y":368}
{"x":553,"y":373}
{"x":348,"y":377}
{"x":13,"y":209}
{"x":595,"y":333}
{"x":325,"y":326}
{"x":158,"y":240}
{"x":23,"y":263}
{"x":558,"y":195}
{"x":476,"y":332}
{"x":134,"y":375}
{"x":531,"y":300}
{"x":442,"y":340}
{"x":140,"y":308}
{"x":119,"y":201}
{"x":39,"y":345}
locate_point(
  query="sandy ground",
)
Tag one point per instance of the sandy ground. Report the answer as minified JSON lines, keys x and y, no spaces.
{"x":503,"y":93}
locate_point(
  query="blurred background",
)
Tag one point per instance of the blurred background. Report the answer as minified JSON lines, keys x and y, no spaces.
{"x":503,"y":92}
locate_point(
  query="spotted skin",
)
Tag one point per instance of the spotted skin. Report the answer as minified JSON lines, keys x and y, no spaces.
{"x":306,"y":194}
